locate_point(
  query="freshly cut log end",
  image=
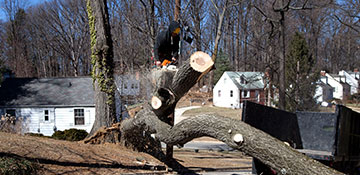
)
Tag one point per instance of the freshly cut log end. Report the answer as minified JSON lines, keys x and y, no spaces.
{"x":238,"y":138}
{"x":200,"y":61}
{"x":156,"y":102}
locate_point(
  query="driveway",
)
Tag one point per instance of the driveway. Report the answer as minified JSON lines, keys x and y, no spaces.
{"x":180,"y":111}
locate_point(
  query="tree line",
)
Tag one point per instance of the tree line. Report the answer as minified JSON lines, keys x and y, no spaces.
{"x":52,"y":39}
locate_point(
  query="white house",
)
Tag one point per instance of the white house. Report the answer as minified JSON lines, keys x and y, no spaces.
{"x":323,"y":93}
{"x":233,"y":88}
{"x":352,"y":78}
{"x":49,"y":104}
{"x":341,"y":88}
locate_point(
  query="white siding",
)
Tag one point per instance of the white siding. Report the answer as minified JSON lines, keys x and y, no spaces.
{"x":61,"y":118}
{"x":65,"y":118}
{"x":319,"y":94}
{"x":350,"y":80}
{"x":225,"y":85}
{"x":338,"y":88}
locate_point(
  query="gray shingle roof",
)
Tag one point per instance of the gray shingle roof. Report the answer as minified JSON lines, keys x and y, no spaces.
{"x":253,"y":80}
{"x":74,"y":91}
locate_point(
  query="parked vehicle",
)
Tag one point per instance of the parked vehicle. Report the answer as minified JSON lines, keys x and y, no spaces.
{"x":331,"y":138}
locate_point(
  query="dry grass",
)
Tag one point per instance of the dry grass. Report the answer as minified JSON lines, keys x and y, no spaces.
{"x":226,"y":112}
{"x":64,"y":157}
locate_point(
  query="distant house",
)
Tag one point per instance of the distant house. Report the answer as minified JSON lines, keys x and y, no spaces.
{"x":353,"y":79}
{"x":49,"y":104}
{"x":127,"y":91}
{"x":323,"y":92}
{"x":233,"y":88}
{"x":341,"y":89}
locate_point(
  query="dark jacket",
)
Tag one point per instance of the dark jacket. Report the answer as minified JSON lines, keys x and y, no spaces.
{"x":165,"y":47}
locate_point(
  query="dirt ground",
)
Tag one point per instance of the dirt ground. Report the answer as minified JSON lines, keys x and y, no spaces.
{"x":63,"y":157}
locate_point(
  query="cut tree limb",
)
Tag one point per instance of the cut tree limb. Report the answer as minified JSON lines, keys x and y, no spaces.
{"x":252,"y":141}
{"x":235,"y":133}
{"x":169,"y":89}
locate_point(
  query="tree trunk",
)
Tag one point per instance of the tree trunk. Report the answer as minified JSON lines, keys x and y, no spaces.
{"x":177,"y":10}
{"x":102,"y":60}
{"x":282,"y":103}
{"x":237,"y":134}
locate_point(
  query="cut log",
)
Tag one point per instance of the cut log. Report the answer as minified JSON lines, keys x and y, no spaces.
{"x":169,"y":89}
{"x":235,"y":134}
{"x":201,"y":61}
{"x":152,"y":119}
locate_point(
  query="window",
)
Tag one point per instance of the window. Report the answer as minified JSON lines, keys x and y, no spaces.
{"x":132,"y":86}
{"x":11,"y":112}
{"x":219,"y":93}
{"x":46,"y":115}
{"x":246,"y":94}
{"x":242,"y":80}
{"x":125,"y":86}
{"x":231,"y":93}
{"x":79,"y":116}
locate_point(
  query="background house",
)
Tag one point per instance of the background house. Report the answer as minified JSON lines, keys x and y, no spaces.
{"x":323,"y":92}
{"x":49,"y":104}
{"x":352,"y":78}
{"x":233,"y":88}
{"x":341,"y":89}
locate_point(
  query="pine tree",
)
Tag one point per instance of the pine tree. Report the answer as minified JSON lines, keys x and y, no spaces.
{"x":300,"y":76}
{"x":222,"y":64}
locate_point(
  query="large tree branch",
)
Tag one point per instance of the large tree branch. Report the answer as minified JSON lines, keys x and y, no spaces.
{"x":171,"y":86}
{"x":235,"y":134}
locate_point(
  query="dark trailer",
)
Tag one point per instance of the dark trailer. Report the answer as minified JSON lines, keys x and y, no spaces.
{"x":331,"y":138}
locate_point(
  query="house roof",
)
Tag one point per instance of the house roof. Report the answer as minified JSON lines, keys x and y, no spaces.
{"x":324,"y":85}
{"x":74,"y":91}
{"x":252,"y":80}
{"x":335,"y":76}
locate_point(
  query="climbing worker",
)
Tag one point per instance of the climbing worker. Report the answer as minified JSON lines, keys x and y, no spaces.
{"x":166,"y":48}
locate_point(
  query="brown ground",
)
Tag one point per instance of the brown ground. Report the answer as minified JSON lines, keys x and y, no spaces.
{"x":63,"y":157}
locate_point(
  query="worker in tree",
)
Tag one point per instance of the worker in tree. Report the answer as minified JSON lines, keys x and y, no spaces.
{"x":166,"y":48}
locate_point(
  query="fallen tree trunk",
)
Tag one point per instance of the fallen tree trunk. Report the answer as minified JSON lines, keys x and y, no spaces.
{"x":236,"y":134}
{"x":171,"y":86}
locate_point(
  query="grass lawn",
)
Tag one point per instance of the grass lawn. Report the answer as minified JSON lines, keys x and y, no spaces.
{"x":226,"y":112}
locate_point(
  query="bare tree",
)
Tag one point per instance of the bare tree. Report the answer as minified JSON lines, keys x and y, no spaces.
{"x":220,"y":13}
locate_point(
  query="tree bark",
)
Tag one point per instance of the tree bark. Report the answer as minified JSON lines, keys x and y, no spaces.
{"x":235,"y":133}
{"x":102,"y":60}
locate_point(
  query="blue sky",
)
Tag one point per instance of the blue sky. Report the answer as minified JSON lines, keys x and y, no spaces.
{"x":29,"y":3}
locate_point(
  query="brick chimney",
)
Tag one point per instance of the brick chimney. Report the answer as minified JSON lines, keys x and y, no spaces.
{"x":356,"y":70}
{"x":322,"y":73}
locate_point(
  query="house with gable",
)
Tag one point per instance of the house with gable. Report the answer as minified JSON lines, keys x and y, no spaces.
{"x":341,"y":89}
{"x":323,"y":92}
{"x":352,"y":78}
{"x":233,"y":88}
{"x":49,"y":104}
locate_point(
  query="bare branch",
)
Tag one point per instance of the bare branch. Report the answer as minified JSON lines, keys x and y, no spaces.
{"x":346,"y":24}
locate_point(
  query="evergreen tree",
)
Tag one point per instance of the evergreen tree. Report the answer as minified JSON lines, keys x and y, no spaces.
{"x":300,"y":76}
{"x":222,"y":64}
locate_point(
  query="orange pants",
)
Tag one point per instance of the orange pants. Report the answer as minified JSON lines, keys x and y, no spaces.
{"x":165,"y":62}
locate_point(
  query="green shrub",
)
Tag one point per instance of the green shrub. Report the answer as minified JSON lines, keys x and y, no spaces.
{"x":35,"y":134}
{"x":70,"y":135}
{"x":59,"y":135}
{"x":15,"y":166}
